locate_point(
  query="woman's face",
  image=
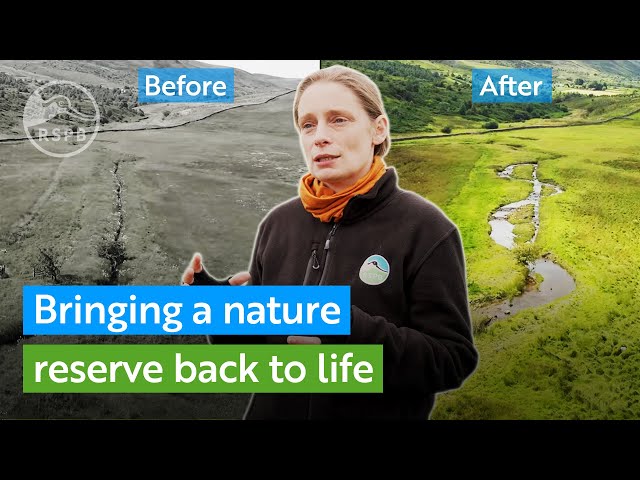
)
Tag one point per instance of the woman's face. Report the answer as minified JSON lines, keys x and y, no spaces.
{"x":337,"y":135}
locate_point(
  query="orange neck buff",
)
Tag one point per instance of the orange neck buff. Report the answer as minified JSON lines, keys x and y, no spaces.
{"x":324,"y":204}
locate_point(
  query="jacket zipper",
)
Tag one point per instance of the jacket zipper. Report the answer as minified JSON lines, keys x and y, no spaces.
{"x":327,"y":245}
{"x":327,"y":253}
{"x":313,"y":264}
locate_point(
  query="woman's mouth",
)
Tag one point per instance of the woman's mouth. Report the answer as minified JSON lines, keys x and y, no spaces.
{"x":324,"y":159}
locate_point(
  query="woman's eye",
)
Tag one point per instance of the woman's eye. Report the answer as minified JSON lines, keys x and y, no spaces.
{"x":340,"y":120}
{"x":306,"y":126}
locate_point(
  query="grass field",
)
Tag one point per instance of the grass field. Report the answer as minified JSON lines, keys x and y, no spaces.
{"x":577,"y":357}
{"x":192,"y":188}
{"x":583,"y":109}
{"x":523,"y":226}
{"x":186,"y":189}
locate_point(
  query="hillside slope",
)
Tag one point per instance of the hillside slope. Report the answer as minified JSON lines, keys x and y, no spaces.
{"x":117,"y":79}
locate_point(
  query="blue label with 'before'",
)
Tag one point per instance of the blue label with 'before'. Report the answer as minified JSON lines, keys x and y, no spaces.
{"x":180,"y":85}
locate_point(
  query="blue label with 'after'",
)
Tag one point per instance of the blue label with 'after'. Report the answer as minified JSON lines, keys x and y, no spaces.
{"x":511,"y":85}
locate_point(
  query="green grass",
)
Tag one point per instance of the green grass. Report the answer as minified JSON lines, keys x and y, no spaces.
{"x":538,"y":279}
{"x":523,"y":232}
{"x":522,"y":221}
{"x":524,"y":172}
{"x":469,"y":193}
{"x":430,"y":172}
{"x":576,"y":358}
{"x":597,"y":108}
{"x":522,"y":215}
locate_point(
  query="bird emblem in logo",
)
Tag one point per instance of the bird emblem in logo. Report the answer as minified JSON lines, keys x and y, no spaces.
{"x":52,"y":116}
{"x":374,"y":270}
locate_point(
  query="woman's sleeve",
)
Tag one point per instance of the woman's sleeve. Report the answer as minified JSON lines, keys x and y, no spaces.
{"x":434,"y":352}
{"x":255,"y":265}
{"x":255,"y":270}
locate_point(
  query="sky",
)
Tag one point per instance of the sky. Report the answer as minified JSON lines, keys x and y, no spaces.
{"x":277,"y":68}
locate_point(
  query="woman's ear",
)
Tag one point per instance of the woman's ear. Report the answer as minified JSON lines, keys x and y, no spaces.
{"x":381,"y":129}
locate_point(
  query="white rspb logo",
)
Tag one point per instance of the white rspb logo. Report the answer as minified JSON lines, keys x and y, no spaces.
{"x":61,"y":112}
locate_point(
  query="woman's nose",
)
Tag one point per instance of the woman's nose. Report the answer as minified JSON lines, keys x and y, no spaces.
{"x":321,"y":135}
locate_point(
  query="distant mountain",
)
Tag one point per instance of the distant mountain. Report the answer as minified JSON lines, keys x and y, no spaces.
{"x":421,"y":98}
{"x":121,"y":73}
{"x":113,"y":83}
{"x":290,"y":83}
{"x":624,"y":68}
{"x":613,"y":71}
{"x":424,"y":96}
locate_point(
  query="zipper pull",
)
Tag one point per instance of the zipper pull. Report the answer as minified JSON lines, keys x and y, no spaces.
{"x":315,"y":264}
{"x":331,"y":234}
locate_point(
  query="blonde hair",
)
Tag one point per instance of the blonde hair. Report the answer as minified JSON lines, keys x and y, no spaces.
{"x":362,"y":86}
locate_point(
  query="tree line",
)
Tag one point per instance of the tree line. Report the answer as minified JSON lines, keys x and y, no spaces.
{"x":114,"y":104}
{"x":414,"y":96}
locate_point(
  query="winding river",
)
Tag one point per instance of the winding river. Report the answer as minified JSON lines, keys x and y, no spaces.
{"x":556,"y":280}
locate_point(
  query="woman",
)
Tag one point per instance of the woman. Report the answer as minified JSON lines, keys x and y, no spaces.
{"x":352,"y":225}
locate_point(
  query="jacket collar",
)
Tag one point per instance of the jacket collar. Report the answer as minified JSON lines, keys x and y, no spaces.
{"x":361,"y":206}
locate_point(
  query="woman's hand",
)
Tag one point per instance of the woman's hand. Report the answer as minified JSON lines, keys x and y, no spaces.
{"x":195,"y":274}
{"x":300,"y":340}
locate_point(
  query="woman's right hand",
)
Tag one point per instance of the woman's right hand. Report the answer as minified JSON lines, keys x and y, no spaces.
{"x":195,"y":275}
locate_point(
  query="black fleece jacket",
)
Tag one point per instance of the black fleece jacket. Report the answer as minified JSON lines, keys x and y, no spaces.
{"x":419,"y":313}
